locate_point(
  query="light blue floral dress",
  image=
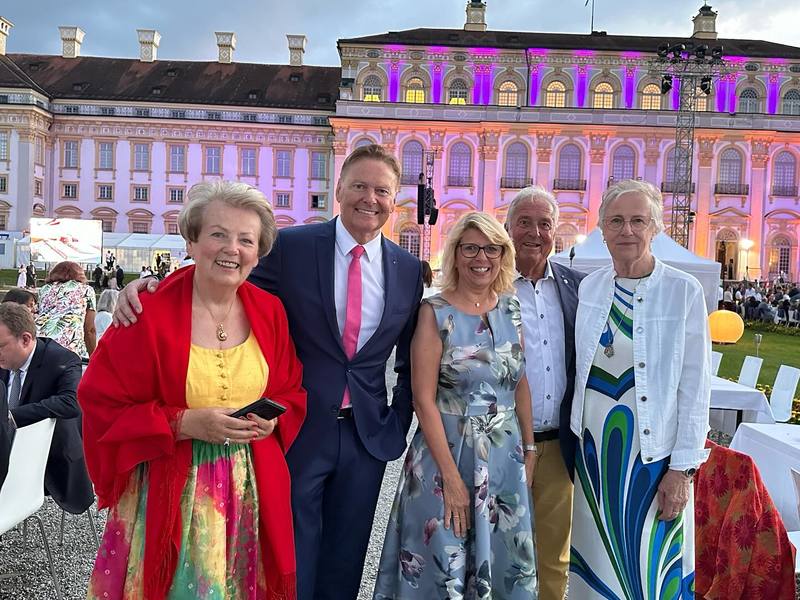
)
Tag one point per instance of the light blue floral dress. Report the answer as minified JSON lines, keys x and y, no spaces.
{"x":481,"y":364}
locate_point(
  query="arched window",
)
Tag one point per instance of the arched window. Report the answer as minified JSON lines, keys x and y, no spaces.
{"x":748,"y":101}
{"x":700,"y":100}
{"x":508,"y":94}
{"x":623,"y":163}
{"x":415,"y":91}
{"x":363,"y":142}
{"x":515,"y":175}
{"x":555,"y":95}
{"x":670,"y":176}
{"x":569,"y":165}
{"x":791,"y":103}
{"x":373,"y":89}
{"x":730,"y":167}
{"x":412,"y":162}
{"x":603,"y":96}
{"x":784,"y":174}
{"x":780,"y":254}
{"x":458,"y":92}
{"x":460,"y":167}
{"x":651,"y":97}
{"x":409,"y":239}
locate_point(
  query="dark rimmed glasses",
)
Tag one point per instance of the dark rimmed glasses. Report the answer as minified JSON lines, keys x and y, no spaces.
{"x":490,"y":250}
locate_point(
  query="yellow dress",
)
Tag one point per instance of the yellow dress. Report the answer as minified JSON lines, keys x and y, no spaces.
{"x":219,"y":556}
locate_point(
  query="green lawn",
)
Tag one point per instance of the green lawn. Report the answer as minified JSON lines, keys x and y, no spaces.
{"x":776,"y":349}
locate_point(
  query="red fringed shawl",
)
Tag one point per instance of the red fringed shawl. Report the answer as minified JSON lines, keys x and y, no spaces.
{"x":131,"y":394}
{"x":742,"y":550}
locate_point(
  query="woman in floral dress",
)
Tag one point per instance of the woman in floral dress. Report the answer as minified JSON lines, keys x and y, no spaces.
{"x":460,"y":526}
{"x":67,"y":306}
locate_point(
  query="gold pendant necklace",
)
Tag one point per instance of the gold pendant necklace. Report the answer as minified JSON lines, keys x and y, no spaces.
{"x":222,"y":335}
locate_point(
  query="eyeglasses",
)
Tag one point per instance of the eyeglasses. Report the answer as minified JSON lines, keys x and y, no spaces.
{"x":490,"y":250}
{"x":637,"y":224}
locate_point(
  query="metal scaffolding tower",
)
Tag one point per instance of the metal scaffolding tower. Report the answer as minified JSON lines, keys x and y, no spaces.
{"x":427,"y":212}
{"x":693,"y":68}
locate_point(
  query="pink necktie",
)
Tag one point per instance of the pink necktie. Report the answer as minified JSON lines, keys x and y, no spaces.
{"x":352,"y":320}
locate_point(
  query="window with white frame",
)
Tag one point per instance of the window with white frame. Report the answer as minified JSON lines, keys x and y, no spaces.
{"x":780,"y":254}
{"x":603,"y":96}
{"x":791,"y":103}
{"x":459,"y":169}
{"x":623,"y":163}
{"x":458,"y":92}
{"x":410,"y":239}
{"x":319,"y":201}
{"x":784,"y":174}
{"x":415,"y":91}
{"x":70,"y":154}
{"x":105,"y":192}
{"x":319,"y":165}
{"x":213,"y":162}
{"x":3,"y":221}
{"x":247,"y":157}
{"x":373,"y":89}
{"x":69,"y":191}
{"x":108,"y":225}
{"x":700,"y":100}
{"x":37,"y":188}
{"x":651,"y":97}
{"x":140,"y":227}
{"x":730,"y":167}
{"x":748,"y":101}
{"x":141,"y":193}
{"x":508,"y":94}
{"x":516,"y":168}
{"x":175,"y":195}
{"x":4,"y":137}
{"x":141,"y":157}
{"x":105,"y":155}
{"x":283,"y":163}
{"x":411,"y":162}
{"x":670,"y":175}
{"x":569,"y":163}
{"x":177,"y":158}
{"x":3,"y":184}
{"x":283,"y":200}
{"x":172,"y":228}
{"x":555,"y":95}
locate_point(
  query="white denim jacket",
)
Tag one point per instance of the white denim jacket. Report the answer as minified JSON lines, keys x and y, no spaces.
{"x":671,"y":359}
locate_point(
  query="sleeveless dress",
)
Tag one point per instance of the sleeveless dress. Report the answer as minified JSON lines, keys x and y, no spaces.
{"x":220,"y":554}
{"x":619,"y":547}
{"x":481,"y":365}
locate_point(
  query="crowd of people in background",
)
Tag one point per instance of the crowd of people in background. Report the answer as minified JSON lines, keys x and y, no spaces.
{"x":769,"y":302}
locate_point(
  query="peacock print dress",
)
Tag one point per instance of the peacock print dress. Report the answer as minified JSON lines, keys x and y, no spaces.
{"x":481,"y":364}
{"x":620,"y":549}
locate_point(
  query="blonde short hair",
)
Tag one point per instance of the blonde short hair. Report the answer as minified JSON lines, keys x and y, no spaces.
{"x":494,"y":231}
{"x":231,"y":193}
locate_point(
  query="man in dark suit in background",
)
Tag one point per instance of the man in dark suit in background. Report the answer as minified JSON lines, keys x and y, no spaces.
{"x":7,"y":428}
{"x":42,"y":378}
{"x":351,"y":297}
{"x":548,"y":295}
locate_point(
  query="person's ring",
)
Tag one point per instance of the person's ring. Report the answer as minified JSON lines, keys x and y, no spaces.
{"x":227,"y":441}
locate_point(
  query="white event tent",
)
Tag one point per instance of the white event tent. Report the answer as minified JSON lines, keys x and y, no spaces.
{"x":593,"y":254}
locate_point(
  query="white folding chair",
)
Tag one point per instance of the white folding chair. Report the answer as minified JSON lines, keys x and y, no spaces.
{"x":751,"y":367}
{"x":22,"y":493}
{"x":716,"y":358}
{"x":780,"y":400}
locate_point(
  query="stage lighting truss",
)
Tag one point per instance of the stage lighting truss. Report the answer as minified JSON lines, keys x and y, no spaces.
{"x":689,"y":67}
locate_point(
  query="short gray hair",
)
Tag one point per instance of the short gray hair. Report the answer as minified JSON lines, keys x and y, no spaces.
{"x":629,"y":186}
{"x":532,"y":193}
{"x":231,"y":193}
{"x":107,"y":301}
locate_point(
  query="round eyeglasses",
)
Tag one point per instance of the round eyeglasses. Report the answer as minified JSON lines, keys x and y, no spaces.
{"x":489,"y":250}
{"x":638,"y":224}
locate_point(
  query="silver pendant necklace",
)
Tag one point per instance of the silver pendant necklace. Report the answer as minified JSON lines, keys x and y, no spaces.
{"x":608,"y":349}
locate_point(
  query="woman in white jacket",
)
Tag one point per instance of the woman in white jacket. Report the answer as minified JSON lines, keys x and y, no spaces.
{"x":640,"y":411}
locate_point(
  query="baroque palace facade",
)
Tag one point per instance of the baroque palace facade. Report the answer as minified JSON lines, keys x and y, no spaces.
{"x":121,"y":139}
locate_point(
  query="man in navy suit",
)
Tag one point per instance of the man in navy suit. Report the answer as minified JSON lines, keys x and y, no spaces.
{"x":351,"y":297}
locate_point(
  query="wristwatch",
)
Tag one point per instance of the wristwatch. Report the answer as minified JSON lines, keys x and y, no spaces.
{"x":530,"y":448}
{"x":689,"y":473}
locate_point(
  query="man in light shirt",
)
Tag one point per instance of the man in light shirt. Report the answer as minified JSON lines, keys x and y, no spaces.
{"x":548,"y":295}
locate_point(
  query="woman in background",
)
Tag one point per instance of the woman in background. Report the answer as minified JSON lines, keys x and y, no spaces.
{"x":105,"y":308}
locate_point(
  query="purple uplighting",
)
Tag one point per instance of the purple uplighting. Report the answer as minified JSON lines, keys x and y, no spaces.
{"x":722,"y":94}
{"x":533,"y":87}
{"x":477,"y":88}
{"x":436,"y":89}
{"x":394,"y":47}
{"x":583,"y":53}
{"x":487,"y":84}
{"x":676,"y":94}
{"x":630,"y":86}
{"x":394,"y":81}
{"x":773,"y":93}
{"x":483,"y":51}
{"x":732,"y":93}
{"x":581,"y":84}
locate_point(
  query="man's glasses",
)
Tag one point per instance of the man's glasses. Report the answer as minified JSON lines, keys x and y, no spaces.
{"x":490,"y":250}
{"x":637,"y":224}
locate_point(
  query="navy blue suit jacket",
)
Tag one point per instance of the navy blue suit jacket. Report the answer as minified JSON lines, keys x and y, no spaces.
{"x":300,"y":271}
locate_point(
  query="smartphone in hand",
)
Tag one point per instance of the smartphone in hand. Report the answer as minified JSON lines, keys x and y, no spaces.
{"x":263,"y":407}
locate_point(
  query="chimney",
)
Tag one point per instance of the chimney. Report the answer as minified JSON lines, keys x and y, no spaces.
{"x":71,"y":40}
{"x":476,"y":16}
{"x":226,"y":42}
{"x":149,"y":39}
{"x":5,"y":29}
{"x":297,"y":48}
{"x":705,"y":23}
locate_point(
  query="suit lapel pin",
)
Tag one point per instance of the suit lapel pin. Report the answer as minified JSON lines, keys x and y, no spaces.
{"x":564,"y":279}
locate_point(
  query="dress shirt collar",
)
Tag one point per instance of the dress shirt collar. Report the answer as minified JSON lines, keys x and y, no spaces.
{"x":548,"y":273}
{"x":345,"y":242}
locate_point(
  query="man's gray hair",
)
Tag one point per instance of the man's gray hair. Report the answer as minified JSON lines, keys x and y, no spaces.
{"x":532,"y":193}
{"x":646,"y":189}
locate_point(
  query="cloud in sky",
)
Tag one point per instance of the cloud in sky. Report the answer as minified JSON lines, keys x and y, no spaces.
{"x":187,"y":26}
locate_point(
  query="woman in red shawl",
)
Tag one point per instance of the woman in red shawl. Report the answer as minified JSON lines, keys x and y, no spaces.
{"x":199,"y":501}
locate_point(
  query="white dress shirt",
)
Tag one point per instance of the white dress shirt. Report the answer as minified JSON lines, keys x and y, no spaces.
{"x":543,"y":334}
{"x":23,"y":371}
{"x":372,"y":283}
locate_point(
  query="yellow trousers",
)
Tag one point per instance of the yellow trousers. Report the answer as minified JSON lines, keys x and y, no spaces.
{"x":552,"y":520}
